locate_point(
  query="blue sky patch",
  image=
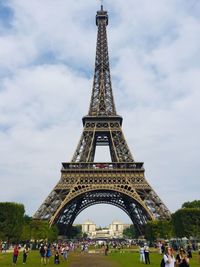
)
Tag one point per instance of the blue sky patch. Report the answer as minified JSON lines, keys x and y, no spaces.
{"x":6,"y":15}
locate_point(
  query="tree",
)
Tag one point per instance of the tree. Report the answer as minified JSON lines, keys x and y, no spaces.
{"x":75,"y":232}
{"x":11,"y":220}
{"x":38,"y":229}
{"x":186,"y":222}
{"x":85,"y":235}
{"x":129,"y":232}
{"x":193,"y":204}
{"x":158,"y":229}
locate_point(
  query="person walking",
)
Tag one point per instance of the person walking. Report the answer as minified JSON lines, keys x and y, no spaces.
{"x":146,"y":254}
{"x":15,"y":254}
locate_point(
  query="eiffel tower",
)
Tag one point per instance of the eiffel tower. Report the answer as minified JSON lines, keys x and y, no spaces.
{"x":84,"y":182}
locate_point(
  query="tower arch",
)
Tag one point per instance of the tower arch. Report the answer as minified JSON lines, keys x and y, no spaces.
{"x":136,"y":211}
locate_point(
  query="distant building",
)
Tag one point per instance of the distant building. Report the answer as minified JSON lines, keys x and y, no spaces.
{"x":114,"y":230}
{"x":89,"y":228}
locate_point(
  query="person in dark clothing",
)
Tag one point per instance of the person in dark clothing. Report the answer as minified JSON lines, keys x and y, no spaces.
{"x":25,"y":254}
{"x":106,"y":249}
{"x":146,"y":254}
{"x":56,"y":258}
{"x":163,"y":248}
{"x":181,"y":259}
{"x":189,"y":251}
{"x":43,"y":250}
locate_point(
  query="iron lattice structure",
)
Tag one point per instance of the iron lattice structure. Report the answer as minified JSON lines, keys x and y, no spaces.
{"x":84,"y":182}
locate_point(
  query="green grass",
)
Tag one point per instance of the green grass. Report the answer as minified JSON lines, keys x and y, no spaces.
{"x":126,"y":259}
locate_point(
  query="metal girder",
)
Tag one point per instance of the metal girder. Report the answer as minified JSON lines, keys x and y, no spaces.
{"x":120,"y":200}
{"x":102,"y":133}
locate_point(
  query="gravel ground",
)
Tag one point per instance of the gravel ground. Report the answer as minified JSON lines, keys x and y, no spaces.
{"x":91,"y":260}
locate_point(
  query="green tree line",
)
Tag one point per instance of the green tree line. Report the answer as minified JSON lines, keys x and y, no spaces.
{"x":16,"y":226}
{"x":185,"y":222}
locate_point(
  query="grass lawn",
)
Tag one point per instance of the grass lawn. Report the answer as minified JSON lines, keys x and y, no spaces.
{"x":126,"y":259}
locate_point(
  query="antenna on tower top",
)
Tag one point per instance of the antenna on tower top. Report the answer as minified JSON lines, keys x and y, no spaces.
{"x":101,"y":5}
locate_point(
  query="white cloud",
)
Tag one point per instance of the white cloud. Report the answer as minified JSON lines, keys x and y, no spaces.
{"x":46,"y":64}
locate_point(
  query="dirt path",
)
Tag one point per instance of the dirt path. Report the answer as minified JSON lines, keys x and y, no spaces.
{"x":90,"y":260}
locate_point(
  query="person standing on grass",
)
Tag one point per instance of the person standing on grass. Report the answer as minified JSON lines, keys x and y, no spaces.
{"x":15,"y":254}
{"x":169,"y":257}
{"x":182,"y":259}
{"x":43,"y":250}
{"x":141,"y":250}
{"x":25,"y":253}
{"x":48,"y":253}
{"x":56,"y":258}
{"x":199,"y":256}
{"x":106,"y":249}
{"x":146,"y":254}
{"x":65,"y":251}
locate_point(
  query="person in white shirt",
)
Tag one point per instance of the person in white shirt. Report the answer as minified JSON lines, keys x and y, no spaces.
{"x":169,"y":257}
{"x":142,"y":254}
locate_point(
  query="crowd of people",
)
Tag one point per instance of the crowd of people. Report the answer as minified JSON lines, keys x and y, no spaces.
{"x":172,"y":254}
{"x":46,"y":251}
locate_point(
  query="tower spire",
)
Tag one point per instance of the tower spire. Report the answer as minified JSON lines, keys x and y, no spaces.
{"x":102,"y":101}
{"x":101,"y":5}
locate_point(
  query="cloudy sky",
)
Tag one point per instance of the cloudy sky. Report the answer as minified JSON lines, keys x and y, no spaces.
{"x":47,"y":52}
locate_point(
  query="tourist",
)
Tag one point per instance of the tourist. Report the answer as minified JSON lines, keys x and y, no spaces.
{"x":65,"y":251}
{"x":56,"y":258}
{"x":141,"y":250}
{"x":189,"y":251}
{"x":168,"y":257}
{"x":42,"y":251}
{"x":48,"y":253}
{"x":163,"y":248}
{"x":4,"y":247}
{"x":25,"y":253}
{"x":106,"y":249}
{"x":15,"y":254}
{"x":159,"y":246}
{"x":181,"y":259}
{"x":199,"y":256}
{"x":146,"y":254}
